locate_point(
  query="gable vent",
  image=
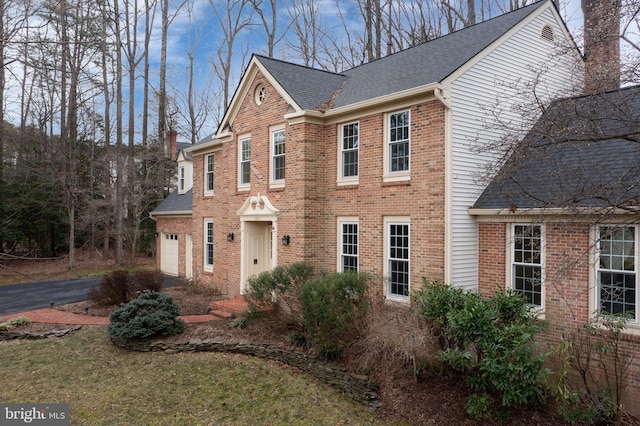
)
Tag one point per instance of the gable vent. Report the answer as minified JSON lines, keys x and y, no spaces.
{"x":547,"y":33}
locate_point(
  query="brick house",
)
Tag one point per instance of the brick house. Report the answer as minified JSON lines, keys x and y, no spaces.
{"x":560,"y":222}
{"x":371,"y":169}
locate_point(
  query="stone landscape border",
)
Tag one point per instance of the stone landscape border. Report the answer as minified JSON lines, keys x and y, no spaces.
{"x":357,"y":387}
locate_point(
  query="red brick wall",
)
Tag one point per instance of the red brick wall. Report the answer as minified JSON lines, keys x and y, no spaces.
{"x":566,"y":257}
{"x":311,"y":201}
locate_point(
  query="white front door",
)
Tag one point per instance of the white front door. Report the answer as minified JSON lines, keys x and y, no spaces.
{"x":256,"y":249}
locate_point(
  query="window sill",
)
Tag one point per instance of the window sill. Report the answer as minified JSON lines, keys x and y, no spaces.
{"x":405,"y":182}
{"x":397,"y":300}
{"x":276,"y":185}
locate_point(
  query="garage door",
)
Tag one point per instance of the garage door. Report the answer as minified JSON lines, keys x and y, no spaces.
{"x":169,"y":263}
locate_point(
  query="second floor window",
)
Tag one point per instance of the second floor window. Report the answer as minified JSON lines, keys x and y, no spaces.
{"x":245,"y":161}
{"x":349,"y":150}
{"x":398,"y":142}
{"x":208,"y":185}
{"x":278,"y":160}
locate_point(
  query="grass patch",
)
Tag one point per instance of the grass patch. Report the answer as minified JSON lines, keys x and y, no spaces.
{"x":106,"y":385}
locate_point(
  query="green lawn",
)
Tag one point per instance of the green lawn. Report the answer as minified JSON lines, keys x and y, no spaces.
{"x":106,"y":385}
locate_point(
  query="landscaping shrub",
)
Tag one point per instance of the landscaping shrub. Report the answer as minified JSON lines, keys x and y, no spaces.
{"x":595,"y":351}
{"x":14,"y":322}
{"x":279,"y":290}
{"x":150,"y":315}
{"x":114,"y":289}
{"x":491,"y":341}
{"x":334,"y":309}
{"x":145,"y":281}
{"x":120,"y":286}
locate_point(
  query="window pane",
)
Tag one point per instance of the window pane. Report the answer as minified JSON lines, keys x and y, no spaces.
{"x":399,"y":259}
{"x":209,"y":175}
{"x":527,"y":262}
{"x":278,"y":155}
{"x":616,"y":270}
{"x":350,"y":150}
{"x":349,"y":247}
{"x":245,"y":163}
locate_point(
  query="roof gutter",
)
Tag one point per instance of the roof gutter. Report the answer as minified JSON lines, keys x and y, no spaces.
{"x":154,"y":216}
{"x":554,"y":211}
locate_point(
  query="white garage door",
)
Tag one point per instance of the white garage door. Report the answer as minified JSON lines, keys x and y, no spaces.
{"x":169,"y":263}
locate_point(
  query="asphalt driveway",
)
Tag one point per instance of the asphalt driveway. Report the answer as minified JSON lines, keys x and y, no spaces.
{"x":29,"y":296}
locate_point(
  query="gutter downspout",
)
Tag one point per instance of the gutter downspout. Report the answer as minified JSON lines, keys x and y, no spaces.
{"x":439,"y":93}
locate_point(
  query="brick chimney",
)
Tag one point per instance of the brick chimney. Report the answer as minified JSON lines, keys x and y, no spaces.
{"x":601,"y":45}
{"x":172,"y":145}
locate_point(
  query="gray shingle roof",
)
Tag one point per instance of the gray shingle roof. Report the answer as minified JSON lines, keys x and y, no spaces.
{"x":175,"y":203}
{"x":309,"y":87}
{"x":583,"y":152}
{"x":430,"y":62}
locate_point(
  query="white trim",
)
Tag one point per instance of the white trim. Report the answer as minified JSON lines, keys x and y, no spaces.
{"x":346,"y":220}
{"x":510,"y":262}
{"x":387,"y":175}
{"x":206,"y":266}
{"x":388,"y":221}
{"x":243,"y":186}
{"x":348,"y":180}
{"x":279,"y":183}
{"x":208,"y":192}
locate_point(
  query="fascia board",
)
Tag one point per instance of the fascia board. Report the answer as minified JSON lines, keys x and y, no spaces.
{"x":243,"y":90}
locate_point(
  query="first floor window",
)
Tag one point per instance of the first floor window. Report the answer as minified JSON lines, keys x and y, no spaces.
{"x":208,"y":244}
{"x":349,"y":246}
{"x":526,"y":268}
{"x":208,"y":185}
{"x":398,"y":259}
{"x":617,"y":271}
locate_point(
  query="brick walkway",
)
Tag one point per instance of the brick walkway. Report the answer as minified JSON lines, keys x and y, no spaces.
{"x":54,"y":316}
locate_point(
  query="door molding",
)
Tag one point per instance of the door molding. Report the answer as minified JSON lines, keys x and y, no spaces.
{"x":256,"y":209}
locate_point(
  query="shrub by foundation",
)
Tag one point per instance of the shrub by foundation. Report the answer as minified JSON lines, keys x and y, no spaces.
{"x":150,"y":315}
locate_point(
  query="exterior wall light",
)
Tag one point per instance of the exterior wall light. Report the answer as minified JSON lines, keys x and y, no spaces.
{"x":285,"y":240}
{"x":230,"y":236}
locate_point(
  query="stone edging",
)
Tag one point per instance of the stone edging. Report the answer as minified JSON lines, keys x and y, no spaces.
{"x":12,"y":335}
{"x":358,"y":387}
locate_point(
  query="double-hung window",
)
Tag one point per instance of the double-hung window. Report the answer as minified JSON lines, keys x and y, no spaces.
{"x":277,"y":156}
{"x":348,"y":232}
{"x":244,"y":174}
{"x":617,"y":270}
{"x":397,"y":155}
{"x":526,"y":263}
{"x":208,"y":174}
{"x":397,"y":257}
{"x":349,"y":145}
{"x":181,"y":179}
{"x":208,"y":245}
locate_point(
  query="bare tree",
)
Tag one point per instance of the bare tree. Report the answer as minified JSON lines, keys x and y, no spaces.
{"x":233,"y":18}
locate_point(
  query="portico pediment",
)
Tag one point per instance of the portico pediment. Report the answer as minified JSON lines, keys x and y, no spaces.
{"x":258,"y":206}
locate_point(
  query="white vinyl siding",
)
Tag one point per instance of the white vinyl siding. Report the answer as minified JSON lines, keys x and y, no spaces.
{"x":507,"y":71}
{"x":185,"y":176}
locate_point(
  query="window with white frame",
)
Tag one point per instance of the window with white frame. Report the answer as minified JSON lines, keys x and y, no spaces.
{"x":349,"y":145}
{"x":398,"y":142}
{"x":348,"y":235}
{"x":526,"y":262}
{"x":397,"y":254}
{"x":277,"y":155}
{"x":244,"y":169}
{"x":208,"y":174}
{"x":617,"y":270}
{"x":181,"y":179}
{"x":208,"y":245}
